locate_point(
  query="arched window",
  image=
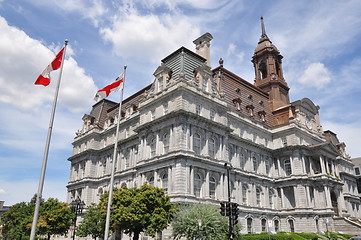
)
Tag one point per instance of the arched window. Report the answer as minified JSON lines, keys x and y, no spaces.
{"x":255,"y":164}
{"x":249,"y":225}
{"x":197,"y":184}
{"x":263,"y":224}
{"x":242,"y":160}
{"x":197,"y":143}
{"x":151,"y":180}
{"x":212,"y":147}
{"x":291,"y":224}
{"x":288,"y":169}
{"x":258,"y":197}
{"x":164,"y":179}
{"x":277,"y":225}
{"x":244,"y":195}
{"x":165,"y":143}
{"x":212,"y":187}
{"x":270,"y":198}
{"x":263,"y":70}
{"x":152,"y":147}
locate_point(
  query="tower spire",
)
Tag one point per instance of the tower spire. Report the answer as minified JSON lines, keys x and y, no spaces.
{"x":264,"y":35}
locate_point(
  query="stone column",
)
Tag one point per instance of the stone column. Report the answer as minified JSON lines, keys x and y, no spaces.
{"x":191,"y":180}
{"x":206,"y":189}
{"x":311,"y":166}
{"x":308,"y":197}
{"x":322,"y":163}
{"x":279,"y":166}
{"x":327,"y":196}
{"x":283,"y":205}
{"x":170,"y":180}
{"x":221,"y":183}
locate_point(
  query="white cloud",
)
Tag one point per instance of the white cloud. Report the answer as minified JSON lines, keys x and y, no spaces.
{"x":316,"y":74}
{"x":2,"y":191}
{"x":25,"y":58}
{"x":149,"y":37}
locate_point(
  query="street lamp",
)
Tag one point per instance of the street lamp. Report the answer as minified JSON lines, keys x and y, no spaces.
{"x":77,"y":207}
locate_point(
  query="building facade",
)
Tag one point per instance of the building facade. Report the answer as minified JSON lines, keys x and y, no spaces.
{"x":177,"y":133}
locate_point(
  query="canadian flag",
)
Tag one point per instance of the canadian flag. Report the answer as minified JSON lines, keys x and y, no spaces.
{"x":115,"y":86}
{"x":44,"y":77}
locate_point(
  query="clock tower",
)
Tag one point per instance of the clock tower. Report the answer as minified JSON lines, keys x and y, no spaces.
{"x":267,"y":62}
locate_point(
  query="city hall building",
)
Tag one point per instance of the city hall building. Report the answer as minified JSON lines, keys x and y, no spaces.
{"x":288,"y":174}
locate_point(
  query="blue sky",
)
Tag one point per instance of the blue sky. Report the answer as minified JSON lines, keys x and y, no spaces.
{"x":318,"y":39}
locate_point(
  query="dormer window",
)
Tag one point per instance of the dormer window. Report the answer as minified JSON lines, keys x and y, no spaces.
{"x":198,"y":109}
{"x":205,"y":84}
{"x":160,"y":84}
{"x":262,"y":115}
{"x":250,"y":110}
{"x":237,"y":103}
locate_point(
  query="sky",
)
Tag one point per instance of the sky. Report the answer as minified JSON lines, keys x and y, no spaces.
{"x":319,"y":40}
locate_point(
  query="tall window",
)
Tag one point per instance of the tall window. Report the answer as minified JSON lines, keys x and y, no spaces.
{"x":255,"y":164}
{"x":263,"y":223}
{"x":212,"y":114}
{"x":244,"y":195}
{"x":152,"y":147}
{"x":270,"y":198}
{"x":242,"y":160}
{"x":127,"y":158}
{"x":166,"y":143}
{"x":198,"y":109}
{"x":212,"y":187}
{"x":249,"y":225}
{"x":205,"y":84}
{"x":197,"y":143}
{"x":357,"y":171}
{"x":164,"y":178}
{"x":258,"y":197}
{"x":288,"y":169}
{"x":165,"y":108}
{"x":197,"y":184}
{"x":211,"y":147}
{"x":152,"y":114}
{"x":160,"y":84}
{"x":151,"y":180}
{"x":277,"y":225}
{"x":292,"y":225}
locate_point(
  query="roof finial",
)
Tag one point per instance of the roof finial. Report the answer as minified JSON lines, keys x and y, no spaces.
{"x":264,"y":35}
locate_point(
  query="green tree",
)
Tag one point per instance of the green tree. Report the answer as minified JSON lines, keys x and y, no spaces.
{"x":135,"y":210}
{"x":55,"y":218}
{"x":200,"y":221}
{"x":17,"y":221}
{"x":93,"y":223}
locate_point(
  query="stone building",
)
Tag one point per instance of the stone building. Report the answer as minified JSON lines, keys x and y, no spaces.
{"x":288,"y":174}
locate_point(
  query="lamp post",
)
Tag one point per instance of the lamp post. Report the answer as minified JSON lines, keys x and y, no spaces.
{"x":77,"y":207}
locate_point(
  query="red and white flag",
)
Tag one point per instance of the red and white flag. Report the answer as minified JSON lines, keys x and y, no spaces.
{"x":44,"y":77}
{"x":115,"y":86}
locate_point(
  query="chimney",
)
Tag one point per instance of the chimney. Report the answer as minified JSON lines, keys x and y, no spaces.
{"x":203,"y":44}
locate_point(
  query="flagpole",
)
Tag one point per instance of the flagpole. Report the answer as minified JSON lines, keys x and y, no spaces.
{"x":107,"y":221}
{"x":46,"y":152}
